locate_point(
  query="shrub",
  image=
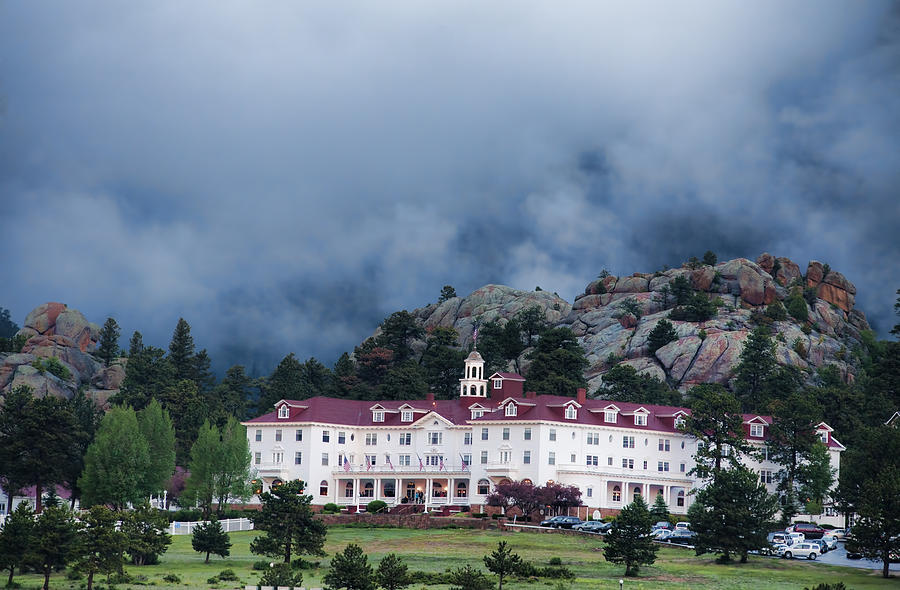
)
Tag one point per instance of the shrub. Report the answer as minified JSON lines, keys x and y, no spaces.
{"x":73,"y":575}
{"x":701,"y":335}
{"x":53,"y":366}
{"x":560,"y":572}
{"x":228,"y":576}
{"x":555,"y":561}
{"x":174,"y":579}
{"x":261,"y":565}
{"x":661,"y":334}
{"x":776,"y":311}
{"x":331,"y":508}
{"x":479,"y":515}
{"x":376,"y":506}
{"x":806,"y":329}
{"x":526,"y":569}
{"x":796,"y":306}
{"x":829,"y":586}
{"x":809,"y":295}
{"x":212,"y":581}
{"x":799,"y":348}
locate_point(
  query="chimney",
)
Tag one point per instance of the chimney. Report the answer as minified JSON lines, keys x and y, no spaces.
{"x":429,"y":397}
{"x":581,"y":396}
{"x":530,"y":394}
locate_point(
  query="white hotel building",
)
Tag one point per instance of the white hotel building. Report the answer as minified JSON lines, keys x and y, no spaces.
{"x":452,"y":452}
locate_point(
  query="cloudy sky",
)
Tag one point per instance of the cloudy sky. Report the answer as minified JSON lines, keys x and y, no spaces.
{"x":284,"y":175}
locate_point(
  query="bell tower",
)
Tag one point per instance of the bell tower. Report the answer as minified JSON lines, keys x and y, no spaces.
{"x":473,"y":384}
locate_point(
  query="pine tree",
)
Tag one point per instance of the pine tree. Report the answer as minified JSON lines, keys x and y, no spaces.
{"x":448,"y":292}
{"x":628,"y":541}
{"x":16,"y":537}
{"x":100,"y":545}
{"x":397,"y":333}
{"x":791,"y":440}
{"x":756,"y":367}
{"x":661,"y":334}
{"x":181,"y":351}
{"x":287,"y":523}
{"x":660,"y":510}
{"x":877,"y":530}
{"x":557,"y":363}
{"x":109,"y":341}
{"x":350,"y":569}
{"x":285,"y":382}
{"x":157,"y":429}
{"x":710,"y":258}
{"x":147,"y":373}
{"x":54,"y":542}
{"x":502,"y":562}
{"x":8,"y":328}
{"x":469,"y":578}
{"x":234,"y":392}
{"x":442,"y":362}
{"x":717,"y":423}
{"x":145,"y":531}
{"x":136,"y":344}
{"x":116,"y":462}
{"x":210,"y":537}
{"x":392,"y":573}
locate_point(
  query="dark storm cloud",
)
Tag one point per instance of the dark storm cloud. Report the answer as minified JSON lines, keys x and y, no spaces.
{"x":284,"y":176}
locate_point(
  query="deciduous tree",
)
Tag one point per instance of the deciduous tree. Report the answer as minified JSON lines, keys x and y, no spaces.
{"x":157,"y":430}
{"x":116,"y":462}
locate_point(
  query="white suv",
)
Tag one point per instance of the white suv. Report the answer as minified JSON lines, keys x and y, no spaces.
{"x":807,"y":550}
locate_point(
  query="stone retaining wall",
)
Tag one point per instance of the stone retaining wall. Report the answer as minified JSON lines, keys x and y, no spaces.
{"x":410,"y":521}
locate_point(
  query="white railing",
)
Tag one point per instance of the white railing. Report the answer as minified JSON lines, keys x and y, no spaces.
{"x":229,"y":525}
{"x":426,"y":470}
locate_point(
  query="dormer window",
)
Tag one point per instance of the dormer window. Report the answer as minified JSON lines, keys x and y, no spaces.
{"x":640,"y":419}
{"x":610,"y":416}
{"x":756,"y":430}
{"x":511,"y":409}
{"x":679,"y":422}
{"x":823,"y":436}
{"x":571,"y":413}
{"x":477,"y":414}
{"x":378,"y":416}
{"x":284,"y":411}
{"x":406,"y":416}
{"x":498,"y":383}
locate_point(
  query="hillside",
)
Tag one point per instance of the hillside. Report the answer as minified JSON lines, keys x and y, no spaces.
{"x":705,"y":351}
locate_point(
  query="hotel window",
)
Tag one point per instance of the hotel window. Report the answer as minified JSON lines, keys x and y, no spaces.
{"x":681,"y":468}
{"x":484,"y":487}
{"x":278,"y":458}
{"x":435,"y":438}
{"x":342,"y":437}
{"x":593,"y":438}
{"x":284,"y":411}
{"x":571,"y":413}
{"x":498,"y":383}
{"x":616,"y":494}
{"x":609,"y":416}
{"x":506,"y":434}
{"x":664,"y":444}
{"x":526,"y":457}
{"x":679,"y":422}
{"x":477,"y":414}
{"x":467,"y":438}
{"x":323,"y":488}
{"x":298,"y":458}
{"x":326,"y":436}
{"x":484,"y":457}
{"x":552,"y":434}
{"x":371,"y":439}
{"x":511,"y":409}
{"x":257,"y":457}
{"x":627,"y":463}
{"x":403,"y":460}
{"x":662,"y":466}
{"x":378,"y":416}
{"x":325,"y":459}
{"x":406,"y":416}
{"x":645,"y":465}
{"x":405,"y":439}
{"x":756,"y":430}
{"x":590,"y":492}
{"x":484,"y":434}
{"x":823,"y":436}
{"x":278,"y":435}
{"x":640,"y":419}
{"x":258,"y":435}
{"x":766,"y":476}
{"x":370,"y":459}
{"x":527,"y":434}
{"x":551,"y":458}
{"x":609,"y":461}
{"x":573,"y":458}
{"x":627,"y":442}
{"x":592,"y":460}
{"x":679,"y":500}
{"x":467,"y":459}
{"x":504,"y":457}
{"x":298,"y":435}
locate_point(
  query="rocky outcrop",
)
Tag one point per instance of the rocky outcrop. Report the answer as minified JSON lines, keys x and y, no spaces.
{"x":57,"y":331}
{"x":704,"y":351}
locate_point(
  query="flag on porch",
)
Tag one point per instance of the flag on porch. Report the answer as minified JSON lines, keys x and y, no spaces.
{"x":463,"y":459}
{"x":441,"y":467}
{"x":390,"y":464}
{"x":421,"y":465}
{"x":368,"y":464}
{"x":346,"y":464}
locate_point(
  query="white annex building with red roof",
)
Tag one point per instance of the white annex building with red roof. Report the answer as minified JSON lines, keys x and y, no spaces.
{"x":452,"y":452}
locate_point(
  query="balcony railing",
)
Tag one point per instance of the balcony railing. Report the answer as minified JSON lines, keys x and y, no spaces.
{"x":271,"y":469}
{"x":449,"y":469}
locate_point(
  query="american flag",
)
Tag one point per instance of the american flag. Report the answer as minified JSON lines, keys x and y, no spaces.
{"x":346,"y":464}
{"x":441,"y":468}
{"x":464,"y":466}
{"x":388,"y":457}
{"x":368,"y":463}
{"x":475,"y":335}
{"x":421,"y":465}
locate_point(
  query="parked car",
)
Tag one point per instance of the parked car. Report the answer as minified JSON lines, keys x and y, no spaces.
{"x":682,"y":526}
{"x":662,"y":534}
{"x":830,"y":541}
{"x":682,"y":537}
{"x":561,"y":522}
{"x":796,"y":538}
{"x":596,"y":527}
{"x":664,"y":524}
{"x":810,"y":531}
{"x":780,"y":537}
{"x":776,"y":549}
{"x":807,"y":550}
{"x":839,"y":534}
{"x":823,"y":546}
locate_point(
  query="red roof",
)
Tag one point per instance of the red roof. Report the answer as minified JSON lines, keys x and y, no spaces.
{"x":329,"y":410}
{"x":512,"y":376}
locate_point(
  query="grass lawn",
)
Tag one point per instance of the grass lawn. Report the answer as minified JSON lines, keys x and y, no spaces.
{"x":439,"y":549}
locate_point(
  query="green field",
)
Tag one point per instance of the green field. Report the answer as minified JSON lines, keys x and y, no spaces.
{"x":439,"y":549}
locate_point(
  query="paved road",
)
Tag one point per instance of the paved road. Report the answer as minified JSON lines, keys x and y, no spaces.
{"x":839,"y":557}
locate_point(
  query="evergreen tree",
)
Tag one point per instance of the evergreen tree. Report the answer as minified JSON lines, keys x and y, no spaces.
{"x":557,"y":363}
{"x":109,"y":341}
{"x":717,"y":423}
{"x":181,"y":351}
{"x":87,"y":419}
{"x":16,"y":537}
{"x":8,"y":328}
{"x":731,"y":514}
{"x":502,"y":562}
{"x":147,"y":373}
{"x":397,"y":333}
{"x":392,"y":573}
{"x":156,"y":428}
{"x":876,"y":448}
{"x":447,"y":292}
{"x":100,"y":545}
{"x":116,"y":462}
{"x":38,"y":441}
{"x":188,"y":408}
{"x":136,"y":344}
{"x":442,"y":362}
{"x":404,"y":381}
{"x":345,"y":379}
{"x":895,"y":330}
{"x":661,"y":334}
{"x":350,"y":569}
{"x":877,"y":530}
{"x":710,"y":258}
{"x":145,"y":530}
{"x":234,"y":393}
{"x":285,"y":382}
{"x":791,"y":441}
{"x":816,"y":478}
{"x":531,"y":322}
{"x":659,"y":512}
{"x":210,"y":537}
{"x":203,"y":375}
{"x":500,"y":344}
{"x":628,"y":541}
{"x":287,"y":523}
{"x":54,"y":542}
{"x":623,"y":383}
{"x":469,"y":578}
{"x":681,"y":290}
{"x":281,"y":575}
{"x":756,"y":367}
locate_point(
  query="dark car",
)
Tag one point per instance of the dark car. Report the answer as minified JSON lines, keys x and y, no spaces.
{"x":561,"y":522}
{"x":593,"y":526}
{"x":810,"y":531}
{"x":682,"y":537}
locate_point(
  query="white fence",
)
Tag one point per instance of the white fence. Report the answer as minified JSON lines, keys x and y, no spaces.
{"x":229,"y":525}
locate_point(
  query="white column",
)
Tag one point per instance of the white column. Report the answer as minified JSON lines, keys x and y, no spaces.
{"x":428,"y":492}
{"x":376,"y":483}
{"x":356,"y":490}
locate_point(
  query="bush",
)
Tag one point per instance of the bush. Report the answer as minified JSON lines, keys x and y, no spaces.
{"x":824,"y":586}
{"x":560,"y":572}
{"x":228,"y":576}
{"x":479,"y":515}
{"x":281,"y":574}
{"x":429,"y":578}
{"x":74,"y":575}
{"x":331,"y":508}
{"x":173,"y":579}
{"x":212,"y":581}
{"x":799,"y":348}
{"x":796,"y":306}
{"x":776,"y":311}
{"x":555,"y":561}
{"x":53,"y":366}
{"x":376,"y":506}
{"x":809,"y":295}
{"x":261,"y":565}
{"x":806,"y":329}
